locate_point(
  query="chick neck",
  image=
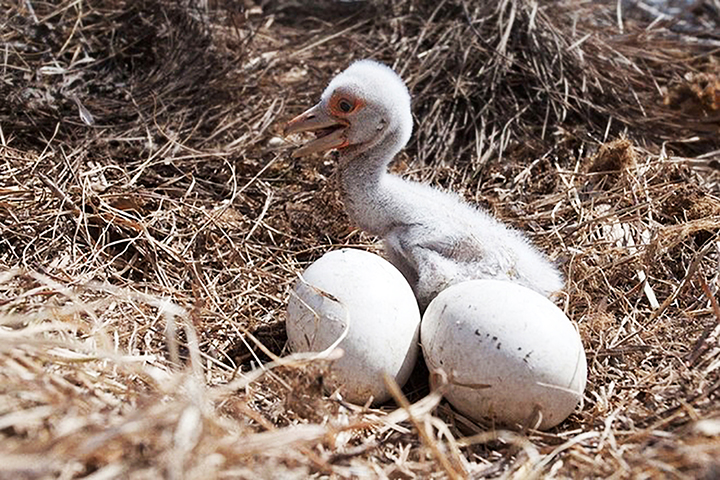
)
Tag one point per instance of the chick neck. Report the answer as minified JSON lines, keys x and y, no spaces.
{"x":371,"y":198}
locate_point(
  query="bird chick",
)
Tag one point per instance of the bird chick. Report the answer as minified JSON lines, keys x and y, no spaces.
{"x":433,"y":237}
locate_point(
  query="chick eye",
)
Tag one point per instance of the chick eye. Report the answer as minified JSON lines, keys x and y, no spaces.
{"x":345,"y":106}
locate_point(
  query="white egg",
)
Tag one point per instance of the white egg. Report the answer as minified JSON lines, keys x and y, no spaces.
{"x":364,"y":294}
{"x":510,"y":354}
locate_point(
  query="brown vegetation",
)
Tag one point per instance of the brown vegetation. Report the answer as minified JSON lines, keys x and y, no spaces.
{"x":152,"y":222}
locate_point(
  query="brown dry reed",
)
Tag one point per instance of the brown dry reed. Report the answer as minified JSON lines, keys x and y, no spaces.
{"x":152,"y":223}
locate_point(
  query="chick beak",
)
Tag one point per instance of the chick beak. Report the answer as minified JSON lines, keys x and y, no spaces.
{"x":331,"y":132}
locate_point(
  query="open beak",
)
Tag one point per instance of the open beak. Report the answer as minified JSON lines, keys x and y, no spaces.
{"x":331,"y":132}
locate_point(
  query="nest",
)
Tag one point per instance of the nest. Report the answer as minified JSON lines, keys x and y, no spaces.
{"x":153,"y":222}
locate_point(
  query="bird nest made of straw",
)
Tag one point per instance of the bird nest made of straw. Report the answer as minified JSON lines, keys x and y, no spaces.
{"x":153,"y":222}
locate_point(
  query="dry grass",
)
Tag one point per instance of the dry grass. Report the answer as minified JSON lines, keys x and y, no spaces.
{"x":152,"y":223}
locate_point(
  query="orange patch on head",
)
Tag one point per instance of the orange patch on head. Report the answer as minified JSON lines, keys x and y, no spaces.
{"x":341,"y":105}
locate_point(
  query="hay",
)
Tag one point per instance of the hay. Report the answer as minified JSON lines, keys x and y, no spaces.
{"x":152,"y":222}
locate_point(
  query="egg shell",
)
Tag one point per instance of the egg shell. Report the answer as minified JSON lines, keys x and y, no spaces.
{"x":368,"y":295}
{"x":509,"y":352}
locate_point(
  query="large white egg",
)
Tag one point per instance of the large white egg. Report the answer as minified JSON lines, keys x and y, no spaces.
{"x":510,"y":354}
{"x":365,"y":294}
